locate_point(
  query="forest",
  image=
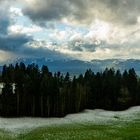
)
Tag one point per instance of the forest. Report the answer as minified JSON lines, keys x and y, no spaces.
{"x":41,"y":93}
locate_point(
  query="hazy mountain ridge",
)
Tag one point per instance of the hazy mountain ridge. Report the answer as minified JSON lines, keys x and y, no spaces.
{"x":79,"y":66}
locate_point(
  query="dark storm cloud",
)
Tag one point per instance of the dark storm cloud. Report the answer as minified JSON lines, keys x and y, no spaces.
{"x":4,"y":23}
{"x":121,"y":11}
{"x":125,"y":10}
{"x":10,"y":42}
{"x":13,"y":43}
{"x":46,"y":10}
{"x":20,"y":44}
{"x":4,"y":19}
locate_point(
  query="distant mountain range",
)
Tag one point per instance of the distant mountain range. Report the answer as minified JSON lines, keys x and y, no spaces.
{"x":76,"y":67}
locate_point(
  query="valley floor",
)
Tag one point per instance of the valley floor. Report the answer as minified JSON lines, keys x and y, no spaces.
{"x":88,"y":125}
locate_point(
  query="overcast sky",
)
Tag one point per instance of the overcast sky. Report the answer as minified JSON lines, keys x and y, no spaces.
{"x":77,"y":29}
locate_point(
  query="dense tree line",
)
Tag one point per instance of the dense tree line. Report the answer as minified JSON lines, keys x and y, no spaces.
{"x":38,"y":92}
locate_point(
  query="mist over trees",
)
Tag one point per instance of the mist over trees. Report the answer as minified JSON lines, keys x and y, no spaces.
{"x":38,"y":92}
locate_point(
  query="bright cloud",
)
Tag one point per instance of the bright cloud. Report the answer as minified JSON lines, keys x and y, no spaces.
{"x":15,"y":11}
{"x":20,"y":29}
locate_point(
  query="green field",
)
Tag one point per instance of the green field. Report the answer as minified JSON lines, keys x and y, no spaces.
{"x":93,"y":132}
{"x":119,"y":126}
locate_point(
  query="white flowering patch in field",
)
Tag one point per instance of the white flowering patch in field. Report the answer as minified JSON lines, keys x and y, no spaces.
{"x":97,"y":116}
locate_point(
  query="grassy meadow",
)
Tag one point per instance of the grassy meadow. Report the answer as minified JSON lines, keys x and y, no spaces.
{"x":88,"y":125}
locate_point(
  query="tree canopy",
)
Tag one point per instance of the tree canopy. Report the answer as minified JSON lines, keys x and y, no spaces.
{"x":30,"y":91}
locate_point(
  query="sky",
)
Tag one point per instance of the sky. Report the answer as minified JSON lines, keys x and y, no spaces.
{"x":74,"y":29}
